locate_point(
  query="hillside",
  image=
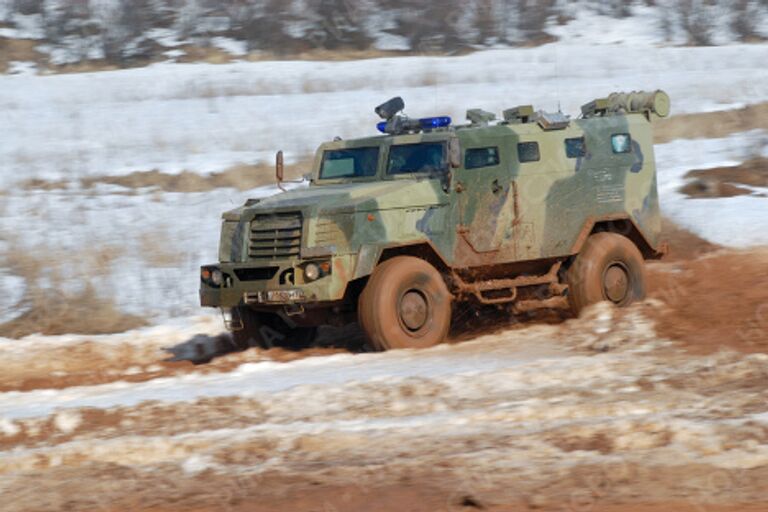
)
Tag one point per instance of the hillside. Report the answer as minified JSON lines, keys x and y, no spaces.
{"x":76,"y":35}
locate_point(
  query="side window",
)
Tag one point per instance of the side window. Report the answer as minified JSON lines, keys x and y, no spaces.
{"x":575,"y":148}
{"x":475,"y":158}
{"x":416,"y":158}
{"x":528,"y":152}
{"x":621,"y":143}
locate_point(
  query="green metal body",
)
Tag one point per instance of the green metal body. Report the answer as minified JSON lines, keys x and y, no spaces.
{"x":509,"y":216}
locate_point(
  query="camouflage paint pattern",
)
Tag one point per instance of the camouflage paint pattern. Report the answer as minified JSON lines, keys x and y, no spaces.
{"x":505,"y":213}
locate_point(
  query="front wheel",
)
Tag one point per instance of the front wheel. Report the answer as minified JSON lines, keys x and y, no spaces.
{"x":405,"y":304}
{"x":609,"y":267}
{"x":267,"y":330}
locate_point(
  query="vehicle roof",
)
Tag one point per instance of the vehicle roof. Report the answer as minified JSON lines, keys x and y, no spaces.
{"x":465,"y":132}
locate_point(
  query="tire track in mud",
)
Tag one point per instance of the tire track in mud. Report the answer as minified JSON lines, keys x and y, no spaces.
{"x":629,"y":414}
{"x":615,"y":404}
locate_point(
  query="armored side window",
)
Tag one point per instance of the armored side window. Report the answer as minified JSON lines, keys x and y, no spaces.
{"x":475,"y":158}
{"x":575,"y":148}
{"x":621,"y":143}
{"x":528,"y":152}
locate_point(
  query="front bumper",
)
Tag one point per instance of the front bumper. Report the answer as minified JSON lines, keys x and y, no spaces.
{"x":275,"y":283}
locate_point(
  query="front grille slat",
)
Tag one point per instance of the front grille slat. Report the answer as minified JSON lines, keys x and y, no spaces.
{"x":269,"y":235}
{"x":278,"y":223}
{"x":275,"y":236}
{"x":279,"y":242}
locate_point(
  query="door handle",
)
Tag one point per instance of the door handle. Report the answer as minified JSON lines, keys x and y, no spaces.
{"x":495,"y":187}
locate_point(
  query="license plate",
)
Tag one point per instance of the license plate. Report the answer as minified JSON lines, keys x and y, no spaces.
{"x":276,"y":296}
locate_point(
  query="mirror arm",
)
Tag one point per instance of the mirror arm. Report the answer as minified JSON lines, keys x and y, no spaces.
{"x":280,"y":172}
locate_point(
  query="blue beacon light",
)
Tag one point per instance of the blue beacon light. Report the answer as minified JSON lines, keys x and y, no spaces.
{"x":425,"y":123}
{"x":429,"y":123}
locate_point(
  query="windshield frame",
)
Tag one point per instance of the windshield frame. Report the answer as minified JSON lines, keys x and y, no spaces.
{"x":322,"y":159}
{"x":341,"y":145}
{"x":384,"y":143}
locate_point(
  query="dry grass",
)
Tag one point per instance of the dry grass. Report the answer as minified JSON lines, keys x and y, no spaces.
{"x":18,"y":50}
{"x":51,"y":306}
{"x":711,"y":125}
{"x":240,"y":177}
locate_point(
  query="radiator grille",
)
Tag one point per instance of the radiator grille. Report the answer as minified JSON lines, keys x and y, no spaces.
{"x":275,"y":236}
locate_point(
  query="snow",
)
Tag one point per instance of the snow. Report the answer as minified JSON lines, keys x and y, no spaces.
{"x":205,"y":118}
{"x":740,"y":221}
{"x":589,"y":27}
{"x":271,"y":377}
{"x":231,"y":46}
{"x":67,"y":421}
{"x":8,"y":427}
{"x":22,"y":68}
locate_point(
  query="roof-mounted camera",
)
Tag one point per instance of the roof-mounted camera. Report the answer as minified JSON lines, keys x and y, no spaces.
{"x":396,"y":124}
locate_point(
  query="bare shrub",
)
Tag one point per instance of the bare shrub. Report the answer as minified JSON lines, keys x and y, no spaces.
{"x":532,"y":18}
{"x":27,"y":6}
{"x":696,"y":21}
{"x":746,"y":16}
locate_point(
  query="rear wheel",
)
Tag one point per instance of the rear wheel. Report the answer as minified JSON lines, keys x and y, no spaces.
{"x":609,"y":267}
{"x":405,"y":304}
{"x":267,"y":330}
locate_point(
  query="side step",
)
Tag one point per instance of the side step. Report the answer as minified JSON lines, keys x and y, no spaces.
{"x":508,"y":288}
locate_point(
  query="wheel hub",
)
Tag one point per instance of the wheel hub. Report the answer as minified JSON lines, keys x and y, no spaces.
{"x":616,"y":283}
{"x":414,"y":310}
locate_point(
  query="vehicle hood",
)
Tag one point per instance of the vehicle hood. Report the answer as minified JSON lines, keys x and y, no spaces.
{"x":351,"y":197}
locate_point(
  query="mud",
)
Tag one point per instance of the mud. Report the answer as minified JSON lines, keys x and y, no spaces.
{"x":728,"y":181}
{"x":715,"y":302}
{"x":662,"y":406}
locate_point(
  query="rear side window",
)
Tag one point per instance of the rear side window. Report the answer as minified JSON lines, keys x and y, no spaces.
{"x":575,"y":148}
{"x":621,"y":143}
{"x":475,"y":158}
{"x":528,"y":152}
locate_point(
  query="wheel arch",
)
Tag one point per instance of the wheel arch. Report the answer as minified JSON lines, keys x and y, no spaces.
{"x":374,"y":256}
{"x":622,"y":225}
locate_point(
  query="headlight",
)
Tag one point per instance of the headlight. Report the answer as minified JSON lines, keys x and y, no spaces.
{"x":311,"y":272}
{"x":217,"y":277}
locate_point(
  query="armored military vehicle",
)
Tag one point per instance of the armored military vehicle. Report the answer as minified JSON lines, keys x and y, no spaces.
{"x":533,"y":210}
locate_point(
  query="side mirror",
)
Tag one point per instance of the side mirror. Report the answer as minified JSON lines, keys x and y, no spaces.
{"x":279,"y":169}
{"x":454,"y":152}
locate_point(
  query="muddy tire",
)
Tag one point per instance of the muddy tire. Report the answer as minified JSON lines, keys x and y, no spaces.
{"x":609,"y":267}
{"x":405,"y":304}
{"x":266,"y":330}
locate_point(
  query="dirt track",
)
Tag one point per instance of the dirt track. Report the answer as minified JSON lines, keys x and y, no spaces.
{"x":659,"y":407}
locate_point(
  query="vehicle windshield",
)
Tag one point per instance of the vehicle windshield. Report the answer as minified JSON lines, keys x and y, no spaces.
{"x":424,"y":157}
{"x":349,"y":163}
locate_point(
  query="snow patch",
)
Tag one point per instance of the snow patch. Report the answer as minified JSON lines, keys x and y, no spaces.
{"x":231,"y":46}
{"x":67,"y":421}
{"x":197,"y":464}
{"x":9,"y":428}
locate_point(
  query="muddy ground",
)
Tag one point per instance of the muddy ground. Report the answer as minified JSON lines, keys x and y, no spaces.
{"x":663,"y":406}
